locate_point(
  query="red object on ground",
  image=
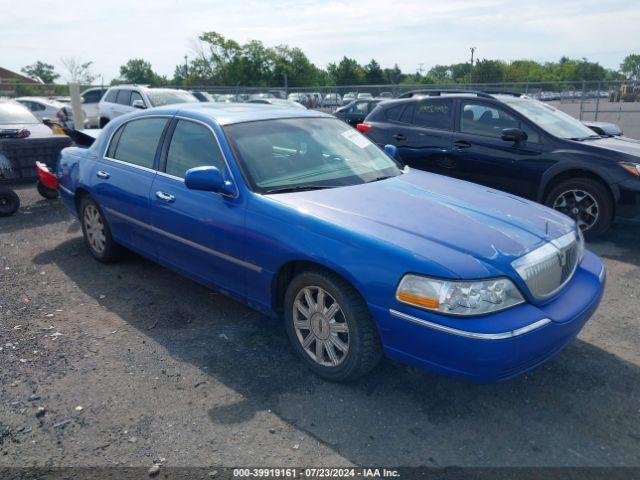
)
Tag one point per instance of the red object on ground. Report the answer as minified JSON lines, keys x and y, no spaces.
{"x":47,"y":178}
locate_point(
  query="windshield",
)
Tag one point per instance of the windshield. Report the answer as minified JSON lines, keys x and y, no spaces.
{"x":13,"y":113}
{"x":167,"y":97}
{"x":306,"y":153}
{"x":550,"y":119}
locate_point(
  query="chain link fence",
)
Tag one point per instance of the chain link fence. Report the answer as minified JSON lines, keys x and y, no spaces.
{"x":605,"y":101}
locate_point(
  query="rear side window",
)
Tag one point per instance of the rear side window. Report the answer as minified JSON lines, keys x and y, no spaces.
{"x":434,"y":114}
{"x":393,"y":113}
{"x":192,"y":145}
{"x":137,"y":141}
{"x":123,"y":97}
{"x":407,"y":115}
{"x":111,"y":96}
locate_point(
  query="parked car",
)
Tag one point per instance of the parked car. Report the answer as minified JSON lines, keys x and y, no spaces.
{"x":90,"y":100}
{"x":297,"y":215}
{"x":127,"y":98}
{"x":202,"y":96}
{"x":25,"y":140}
{"x":296,"y":97}
{"x":356,"y":111}
{"x":518,"y":145}
{"x":348,"y":98}
{"x":385,"y":95}
{"x":44,"y":108}
{"x":277,"y":102}
{"x":604,"y":128}
{"x":332,"y":100}
{"x":365,"y":96}
{"x":258,"y":96}
{"x":226,"y":98}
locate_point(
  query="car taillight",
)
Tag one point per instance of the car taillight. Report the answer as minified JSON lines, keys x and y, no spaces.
{"x":363,"y":127}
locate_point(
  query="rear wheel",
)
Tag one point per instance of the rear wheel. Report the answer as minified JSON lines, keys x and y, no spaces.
{"x":9,"y":202}
{"x":330,"y":326}
{"x":96,"y":231}
{"x":586,"y":201}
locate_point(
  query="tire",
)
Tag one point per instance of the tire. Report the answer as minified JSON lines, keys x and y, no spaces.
{"x":96,"y":232}
{"x":351,"y":324}
{"x":9,"y":202}
{"x":597,"y":202}
{"x":48,"y":193}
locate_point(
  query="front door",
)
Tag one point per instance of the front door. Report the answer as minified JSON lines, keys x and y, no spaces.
{"x":200,"y":234}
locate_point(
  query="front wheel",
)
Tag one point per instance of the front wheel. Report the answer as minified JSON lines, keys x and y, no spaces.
{"x":9,"y":202}
{"x":330,"y":326}
{"x":96,"y":231}
{"x":586,"y":201}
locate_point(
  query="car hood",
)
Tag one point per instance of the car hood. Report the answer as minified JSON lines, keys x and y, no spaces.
{"x":625,"y":145}
{"x":426,"y":213}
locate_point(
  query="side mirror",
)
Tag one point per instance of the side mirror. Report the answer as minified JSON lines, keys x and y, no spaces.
{"x":392,"y":151}
{"x":208,"y":179}
{"x":513,"y":135}
{"x":138,"y":104}
{"x":47,"y":121}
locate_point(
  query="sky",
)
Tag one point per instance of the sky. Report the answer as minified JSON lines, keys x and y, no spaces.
{"x":406,"y":32}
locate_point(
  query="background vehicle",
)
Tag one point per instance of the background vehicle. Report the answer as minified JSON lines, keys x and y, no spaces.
{"x":348,"y":98}
{"x":604,"y":128}
{"x":90,"y":100}
{"x":627,"y":92}
{"x":278,"y":102}
{"x":202,"y":96}
{"x":364,"y":96}
{"x":44,"y":108}
{"x":296,"y":97}
{"x":518,"y":145}
{"x":385,"y":95}
{"x":24,"y":140}
{"x":126,"y":98}
{"x":332,"y":100}
{"x":294,"y":213}
{"x":356,"y":111}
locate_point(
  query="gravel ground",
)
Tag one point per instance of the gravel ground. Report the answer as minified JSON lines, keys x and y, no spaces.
{"x":131,"y":364}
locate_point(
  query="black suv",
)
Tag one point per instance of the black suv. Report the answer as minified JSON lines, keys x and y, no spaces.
{"x":516,"y":144}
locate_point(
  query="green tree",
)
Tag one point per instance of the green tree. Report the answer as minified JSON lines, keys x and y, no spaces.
{"x":394,"y":75}
{"x":137,"y":70}
{"x":630,"y":66}
{"x":373,"y":74}
{"x":347,"y":72}
{"x":45,"y":72}
{"x":488,"y":71}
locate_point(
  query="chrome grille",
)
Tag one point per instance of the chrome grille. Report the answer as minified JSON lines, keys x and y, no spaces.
{"x":547,"y":269}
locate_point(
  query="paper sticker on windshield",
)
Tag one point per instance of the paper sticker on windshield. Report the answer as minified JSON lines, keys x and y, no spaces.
{"x":354,"y":137}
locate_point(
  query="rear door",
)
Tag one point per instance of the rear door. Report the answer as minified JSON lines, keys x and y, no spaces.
{"x":423,"y":135}
{"x":483,"y":157}
{"x":200,"y":233}
{"x":122,"y":178}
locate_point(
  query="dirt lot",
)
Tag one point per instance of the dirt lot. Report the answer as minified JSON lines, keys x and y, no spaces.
{"x":133,"y":363}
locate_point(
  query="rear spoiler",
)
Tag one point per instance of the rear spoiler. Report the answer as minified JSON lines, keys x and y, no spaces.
{"x":86,"y":137}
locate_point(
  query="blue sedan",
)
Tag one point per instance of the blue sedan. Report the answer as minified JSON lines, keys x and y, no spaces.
{"x":297,"y":215}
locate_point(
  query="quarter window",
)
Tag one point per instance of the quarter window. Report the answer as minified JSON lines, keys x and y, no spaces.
{"x":434,"y":114}
{"x":192,"y":145}
{"x":137,"y":141}
{"x":393,"y":113}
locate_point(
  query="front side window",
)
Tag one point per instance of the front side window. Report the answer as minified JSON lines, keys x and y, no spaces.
{"x":480,"y":119}
{"x":192,"y":145}
{"x":137,"y":141}
{"x":135,"y":96}
{"x":306,"y":153}
{"x":436,"y":114}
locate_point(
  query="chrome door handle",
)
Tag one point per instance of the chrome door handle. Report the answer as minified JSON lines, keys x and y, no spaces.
{"x":103,"y":174}
{"x":165,"y":197}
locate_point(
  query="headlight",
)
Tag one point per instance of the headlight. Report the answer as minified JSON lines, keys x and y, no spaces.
{"x":465,"y":298}
{"x":634,"y":168}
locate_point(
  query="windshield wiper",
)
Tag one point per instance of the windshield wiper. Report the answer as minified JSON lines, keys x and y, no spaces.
{"x":300,"y":188}
{"x":383,"y":177}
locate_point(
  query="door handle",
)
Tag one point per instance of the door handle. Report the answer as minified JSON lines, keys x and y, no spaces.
{"x":102,"y":174}
{"x":165,"y":197}
{"x":399,"y":136}
{"x":461,"y":144}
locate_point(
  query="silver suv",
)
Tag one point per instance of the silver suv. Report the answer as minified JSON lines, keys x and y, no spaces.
{"x":126,"y":98}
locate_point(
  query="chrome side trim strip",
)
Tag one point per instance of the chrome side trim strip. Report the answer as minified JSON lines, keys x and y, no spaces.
{"x":602,"y":273}
{"x":467,"y":334}
{"x":195,"y":245}
{"x":65,"y":189}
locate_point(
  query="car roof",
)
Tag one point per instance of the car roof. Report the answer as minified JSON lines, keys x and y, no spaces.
{"x":45,"y":100}
{"x":231,"y":113}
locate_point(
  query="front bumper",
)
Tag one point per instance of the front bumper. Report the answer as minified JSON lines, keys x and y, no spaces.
{"x":628,"y":206}
{"x":494,"y":347}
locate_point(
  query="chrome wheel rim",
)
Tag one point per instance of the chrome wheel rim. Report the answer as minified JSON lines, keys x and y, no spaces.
{"x":320,"y":326}
{"x":579,"y":205}
{"x":94,"y":228}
